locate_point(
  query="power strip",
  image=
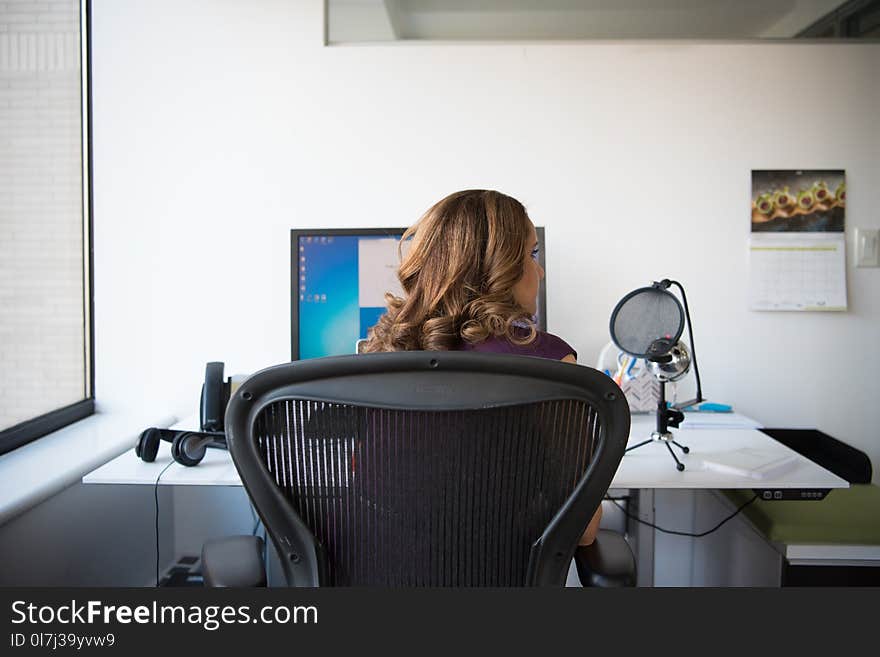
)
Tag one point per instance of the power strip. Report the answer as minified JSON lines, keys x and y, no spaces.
{"x":773,"y":494}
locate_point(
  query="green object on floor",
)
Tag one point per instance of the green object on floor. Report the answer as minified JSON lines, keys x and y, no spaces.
{"x":847,"y":516}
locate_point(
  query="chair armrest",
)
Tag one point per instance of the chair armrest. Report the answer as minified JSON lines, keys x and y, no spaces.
{"x":234,"y":561}
{"x":608,"y":562}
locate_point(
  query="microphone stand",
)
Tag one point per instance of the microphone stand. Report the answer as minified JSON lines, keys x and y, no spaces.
{"x":672,"y":417}
{"x":666,"y":417}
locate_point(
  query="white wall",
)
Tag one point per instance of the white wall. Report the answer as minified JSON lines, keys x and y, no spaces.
{"x":218,"y":126}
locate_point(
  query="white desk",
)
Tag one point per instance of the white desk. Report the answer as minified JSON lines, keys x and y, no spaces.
{"x":643,"y":470}
{"x":647,"y":467}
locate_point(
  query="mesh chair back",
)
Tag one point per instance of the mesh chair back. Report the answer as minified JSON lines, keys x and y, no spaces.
{"x":389,"y":470}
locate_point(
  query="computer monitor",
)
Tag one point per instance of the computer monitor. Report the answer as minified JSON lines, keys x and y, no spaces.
{"x":338,"y":280}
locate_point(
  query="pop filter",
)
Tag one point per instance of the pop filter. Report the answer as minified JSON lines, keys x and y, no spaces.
{"x":645,"y":320}
{"x":647,"y":323}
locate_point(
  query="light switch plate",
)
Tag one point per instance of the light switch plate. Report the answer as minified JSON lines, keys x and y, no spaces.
{"x":867,"y":247}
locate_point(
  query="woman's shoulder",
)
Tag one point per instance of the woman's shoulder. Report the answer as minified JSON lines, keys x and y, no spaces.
{"x":554,"y":345}
{"x":545,"y":345}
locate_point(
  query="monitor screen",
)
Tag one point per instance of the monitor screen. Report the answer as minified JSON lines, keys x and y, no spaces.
{"x":339,"y":278}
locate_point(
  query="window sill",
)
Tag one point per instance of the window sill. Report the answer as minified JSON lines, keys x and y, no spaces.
{"x":36,"y":471}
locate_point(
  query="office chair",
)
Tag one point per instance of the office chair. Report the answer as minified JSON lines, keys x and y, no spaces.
{"x":425,"y":469}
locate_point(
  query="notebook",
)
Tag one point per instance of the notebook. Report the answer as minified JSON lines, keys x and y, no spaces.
{"x":750,"y":462}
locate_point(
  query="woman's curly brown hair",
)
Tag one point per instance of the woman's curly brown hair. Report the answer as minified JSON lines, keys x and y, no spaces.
{"x":466,"y":255}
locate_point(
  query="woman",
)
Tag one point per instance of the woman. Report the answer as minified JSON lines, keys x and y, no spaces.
{"x":470,"y":280}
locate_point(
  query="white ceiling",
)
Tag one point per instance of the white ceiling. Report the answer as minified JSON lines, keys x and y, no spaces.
{"x":371,"y":20}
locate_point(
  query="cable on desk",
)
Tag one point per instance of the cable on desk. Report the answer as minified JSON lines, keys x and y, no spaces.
{"x":678,"y":533}
{"x":156,"y":494}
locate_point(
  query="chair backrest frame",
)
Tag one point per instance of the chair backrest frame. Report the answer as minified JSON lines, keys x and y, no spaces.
{"x":420,"y":380}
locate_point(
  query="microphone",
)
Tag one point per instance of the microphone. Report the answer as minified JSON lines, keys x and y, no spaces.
{"x":659,"y":350}
{"x":673,"y":364}
{"x":648,"y":323}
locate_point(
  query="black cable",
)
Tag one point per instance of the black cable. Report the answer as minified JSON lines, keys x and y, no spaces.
{"x":255,"y":518}
{"x":677,"y":533}
{"x":258,"y":522}
{"x":156,"y":494}
{"x":266,"y":552}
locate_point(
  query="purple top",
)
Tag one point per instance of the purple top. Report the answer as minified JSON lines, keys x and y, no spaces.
{"x":546,"y":345}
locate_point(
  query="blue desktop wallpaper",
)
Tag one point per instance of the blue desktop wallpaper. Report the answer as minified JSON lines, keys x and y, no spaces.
{"x":330,"y":319}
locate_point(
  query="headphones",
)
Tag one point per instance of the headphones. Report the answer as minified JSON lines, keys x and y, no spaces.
{"x":189,"y":447}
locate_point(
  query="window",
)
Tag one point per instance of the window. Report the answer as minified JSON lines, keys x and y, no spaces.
{"x":359,"y":21}
{"x":46,"y":336}
{"x":855,"y":19}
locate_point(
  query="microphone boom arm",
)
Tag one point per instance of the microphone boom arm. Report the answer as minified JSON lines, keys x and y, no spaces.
{"x":666,"y":283}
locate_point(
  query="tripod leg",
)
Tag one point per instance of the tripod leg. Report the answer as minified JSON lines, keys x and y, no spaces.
{"x":683,"y":448}
{"x":678,"y":464}
{"x":644,"y":442}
